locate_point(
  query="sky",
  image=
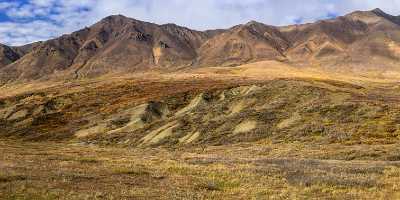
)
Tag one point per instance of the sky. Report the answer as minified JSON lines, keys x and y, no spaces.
{"x":26,"y":21}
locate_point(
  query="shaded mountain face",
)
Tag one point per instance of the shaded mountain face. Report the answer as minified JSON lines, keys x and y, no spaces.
{"x":117,"y":44}
{"x":10,"y":54}
{"x":7,"y":55}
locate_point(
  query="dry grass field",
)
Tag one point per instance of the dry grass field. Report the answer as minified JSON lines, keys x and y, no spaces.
{"x":262,"y":170}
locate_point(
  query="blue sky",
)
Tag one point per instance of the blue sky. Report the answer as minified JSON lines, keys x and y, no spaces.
{"x":25,"y":21}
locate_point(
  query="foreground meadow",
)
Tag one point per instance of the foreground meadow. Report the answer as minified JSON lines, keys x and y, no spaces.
{"x":262,"y":170}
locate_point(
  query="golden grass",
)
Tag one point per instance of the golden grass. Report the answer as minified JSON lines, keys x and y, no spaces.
{"x":266,"y":70}
{"x":242,"y":171}
{"x":259,"y":71}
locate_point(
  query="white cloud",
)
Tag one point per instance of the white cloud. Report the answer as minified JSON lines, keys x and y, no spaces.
{"x":6,"y":5}
{"x":44,"y":19}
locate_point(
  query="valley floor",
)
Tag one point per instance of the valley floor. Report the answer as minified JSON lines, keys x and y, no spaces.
{"x":262,"y":170}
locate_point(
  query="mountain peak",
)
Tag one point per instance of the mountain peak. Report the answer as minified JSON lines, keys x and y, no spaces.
{"x":113,"y":17}
{"x":373,"y":16}
{"x":381,"y":13}
{"x":253,"y":22}
{"x":378,"y":11}
{"x":116,"y":19}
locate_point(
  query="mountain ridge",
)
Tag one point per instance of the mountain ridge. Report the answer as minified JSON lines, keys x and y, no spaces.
{"x":361,"y":40}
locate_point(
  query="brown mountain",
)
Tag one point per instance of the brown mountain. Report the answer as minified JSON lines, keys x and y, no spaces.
{"x":10,"y":54}
{"x":362,"y":40}
{"x":242,"y":44}
{"x":7,"y":55}
{"x":115,"y":44}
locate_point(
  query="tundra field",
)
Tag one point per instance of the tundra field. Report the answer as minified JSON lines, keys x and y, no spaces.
{"x":134,"y":138}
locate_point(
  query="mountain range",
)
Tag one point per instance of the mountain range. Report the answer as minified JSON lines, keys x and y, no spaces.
{"x":359,"y":42}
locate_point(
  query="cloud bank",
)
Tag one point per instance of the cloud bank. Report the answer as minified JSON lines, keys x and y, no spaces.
{"x":26,"y":21}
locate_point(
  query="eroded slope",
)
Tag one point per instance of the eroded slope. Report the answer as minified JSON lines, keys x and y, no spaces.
{"x":207,"y":112}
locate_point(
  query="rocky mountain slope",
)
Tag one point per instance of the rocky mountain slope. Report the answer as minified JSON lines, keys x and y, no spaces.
{"x":355,"y":41}
{"x":358,"y":42}
{"x":115,"y":44}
